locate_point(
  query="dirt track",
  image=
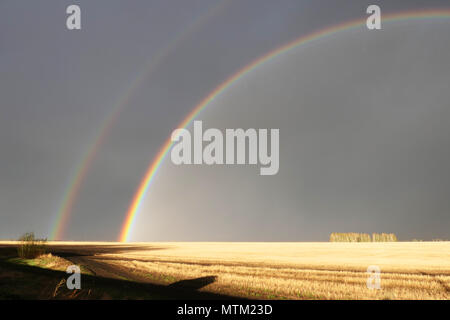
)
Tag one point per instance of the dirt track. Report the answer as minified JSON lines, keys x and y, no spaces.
{"x":102,"y":280}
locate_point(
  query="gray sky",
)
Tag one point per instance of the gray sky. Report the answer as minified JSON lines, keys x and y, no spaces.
{"x":363,"y":116}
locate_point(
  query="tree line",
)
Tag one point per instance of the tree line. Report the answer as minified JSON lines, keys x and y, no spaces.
{"x":362,"y":237}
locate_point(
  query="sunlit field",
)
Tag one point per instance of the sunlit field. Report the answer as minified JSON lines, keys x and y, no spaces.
{"x":409,"y":270}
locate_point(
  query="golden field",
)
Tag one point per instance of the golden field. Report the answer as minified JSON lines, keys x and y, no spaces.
{"x":325,"y":270}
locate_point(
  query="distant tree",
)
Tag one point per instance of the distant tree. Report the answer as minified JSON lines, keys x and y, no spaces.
{"x":384,"y":237}
{"x":349,"y":237}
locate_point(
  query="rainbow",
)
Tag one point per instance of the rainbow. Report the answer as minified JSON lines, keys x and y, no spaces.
{"x":75,"y":182}
{"x":73,"y":186}
{"x":156,"y":163}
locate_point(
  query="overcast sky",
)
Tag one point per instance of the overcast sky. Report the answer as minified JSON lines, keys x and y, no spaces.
{"x":364,"y":119}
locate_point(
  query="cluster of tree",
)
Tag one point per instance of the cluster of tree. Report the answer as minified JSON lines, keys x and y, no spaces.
{"x":384,"y":237}
{"x":362,"y":237}
{"x":31,"y":247}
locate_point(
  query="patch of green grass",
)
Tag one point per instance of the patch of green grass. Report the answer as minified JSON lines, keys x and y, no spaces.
{"x":49,"y":262}
{"x":22,"y":261}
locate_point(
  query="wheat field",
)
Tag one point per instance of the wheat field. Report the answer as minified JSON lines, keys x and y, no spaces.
{"x":409,"y":270}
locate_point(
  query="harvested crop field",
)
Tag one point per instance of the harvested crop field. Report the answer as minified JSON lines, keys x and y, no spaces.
{"x":409,"y":270}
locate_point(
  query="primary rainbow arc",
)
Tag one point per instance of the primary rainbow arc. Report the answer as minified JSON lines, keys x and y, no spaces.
{"x":157,"y":161}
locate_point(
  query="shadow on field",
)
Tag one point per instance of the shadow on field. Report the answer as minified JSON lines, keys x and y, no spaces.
{"x":86,"y":250}
{"x":19,"y":281}
{"x":194,"y":284}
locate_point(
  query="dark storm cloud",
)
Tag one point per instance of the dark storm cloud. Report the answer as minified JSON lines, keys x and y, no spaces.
{"x":57,"y":86}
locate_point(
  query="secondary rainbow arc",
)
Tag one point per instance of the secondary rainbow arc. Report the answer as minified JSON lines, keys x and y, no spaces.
{"x":75,"y":181}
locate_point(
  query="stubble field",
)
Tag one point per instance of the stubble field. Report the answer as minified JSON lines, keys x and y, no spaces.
{"x":409,"y":270}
